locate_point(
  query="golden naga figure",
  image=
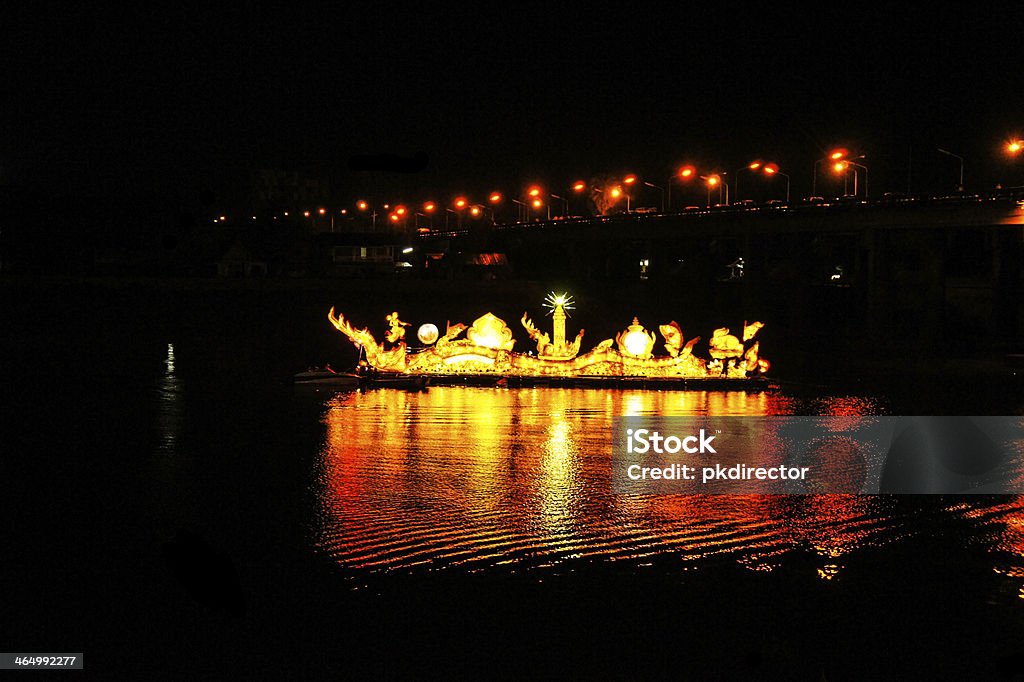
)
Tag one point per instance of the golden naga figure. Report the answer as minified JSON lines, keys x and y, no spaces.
{"x":487,"y":347}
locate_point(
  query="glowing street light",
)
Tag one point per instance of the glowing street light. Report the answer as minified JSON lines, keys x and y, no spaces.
{"x":834,"y":156}
{"x":428,"y":212}
{"x":683,"y":174}
{"x":565,"y":204}
{"x":773,"y":169}
{"x":1014,"y":147}
{"x":716,"y":180}
{"x":579,"y":186}
{"x":844,"y":164}
{"x":752,"y":166}
{"x":459,"y":203}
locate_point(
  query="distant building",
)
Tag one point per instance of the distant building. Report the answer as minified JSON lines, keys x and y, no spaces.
{"x":366,"y":254}
{"x":240,"y":260}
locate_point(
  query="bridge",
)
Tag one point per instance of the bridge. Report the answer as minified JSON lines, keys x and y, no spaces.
{"x":941,"y":273}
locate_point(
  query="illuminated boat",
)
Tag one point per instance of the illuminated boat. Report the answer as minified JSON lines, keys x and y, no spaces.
{"x":483,"y":354}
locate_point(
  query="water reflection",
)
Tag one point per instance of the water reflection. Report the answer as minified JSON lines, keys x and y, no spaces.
{"x":519,"y":480}
{"x":168,"y":404}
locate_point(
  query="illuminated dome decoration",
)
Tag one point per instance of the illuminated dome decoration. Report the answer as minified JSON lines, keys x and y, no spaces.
{"x":427,"y":333}
{"x":489,"y":331}
{"x":636,"y":341}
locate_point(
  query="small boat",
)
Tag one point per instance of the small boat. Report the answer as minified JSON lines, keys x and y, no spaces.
{"x":327,"y":378}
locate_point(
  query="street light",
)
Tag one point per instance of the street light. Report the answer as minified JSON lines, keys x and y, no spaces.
{"x":616,"y":192}
{"x":844,"y":164}
{"x":961,"y":159}
{"x":521,"y":216}
{"x":578,"y":187}
{"x":1014,"y":147}
{"x":684,"y":174}
{"x":537,"y":203}
{"x":428,"y":207}
{"x":716,"y":180}
{"x":773,"y":169}
{"x":752,"y":166}
{"x":834,"y":156}
{"x":363,"y":206}
{"x":494,"y":198}
{"x":661,"y":190}
{"x":459,"y":203}
{"x":565,"y":205}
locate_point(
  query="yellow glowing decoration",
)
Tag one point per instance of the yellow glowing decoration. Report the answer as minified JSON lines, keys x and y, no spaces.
{"x":554,"y":348}
{"x":750,"y":330}
{"x":724,"y":345}
{"x":636,"y":340}
{"x":487,"y":347}
{"x":489,"y":331}
{"x":396,"y":331}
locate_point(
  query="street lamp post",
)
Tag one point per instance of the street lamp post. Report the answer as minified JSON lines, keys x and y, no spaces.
{"x":834,"y":156}
{"x":960,"y":158}
{"x":684,"y":174}
{"x":716,"y":180}
{"x":845,"y":164}
{"x":565,"y":205}
{"x":772,"y":169}
{"x":661,"y":190}
{"x":494,"y":199}
{"x":521,"y":214}
{"x":752,"y":166}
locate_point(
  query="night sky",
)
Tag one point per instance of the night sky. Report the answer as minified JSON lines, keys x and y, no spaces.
{"x":172,"y":102}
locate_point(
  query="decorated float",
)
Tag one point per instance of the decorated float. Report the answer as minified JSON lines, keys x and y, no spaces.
{"x":484,"y":352}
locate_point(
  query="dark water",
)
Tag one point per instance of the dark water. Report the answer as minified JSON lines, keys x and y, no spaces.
{"x":173,"y":508}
